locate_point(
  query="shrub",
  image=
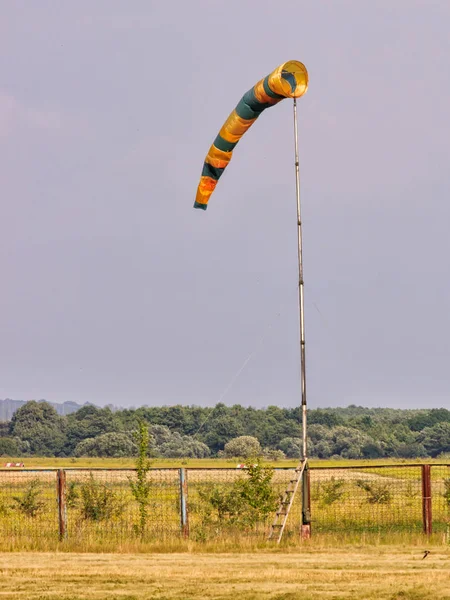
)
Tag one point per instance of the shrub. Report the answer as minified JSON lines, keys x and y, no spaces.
{"x":4,"y":509}
{"x":332,"y":491}
{"x":257,"y":492}
{"x":99,"y":502}
{"x":275,"y":455}
{"x":30,"y":503}
{"x":446,"y":493}
{"x":249,"y":500}
{"x":141,"y":487}
{"x":377,"y":493}
{"x":183,"y":446}
{"x":72,"y":495}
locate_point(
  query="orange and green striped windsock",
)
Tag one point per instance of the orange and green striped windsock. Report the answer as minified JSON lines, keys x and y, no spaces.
{"x":289,"y":80}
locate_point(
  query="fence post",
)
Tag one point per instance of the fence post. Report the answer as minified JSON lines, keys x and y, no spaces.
{"x":62,"y":507}
{"x":426,"y":500}
{"x":184,"y":513}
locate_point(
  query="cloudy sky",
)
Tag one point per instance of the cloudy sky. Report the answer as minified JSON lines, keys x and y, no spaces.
{"x":114,"y":289}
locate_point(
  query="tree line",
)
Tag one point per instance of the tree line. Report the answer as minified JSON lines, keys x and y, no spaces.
{"x":195,"y":432}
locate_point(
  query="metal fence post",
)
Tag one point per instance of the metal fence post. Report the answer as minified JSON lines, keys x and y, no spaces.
{"x":184,"y":513}
{"x":426,"y":500}
{"x":62,"y":506}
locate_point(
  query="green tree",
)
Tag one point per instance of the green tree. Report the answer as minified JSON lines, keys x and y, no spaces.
{"x":39,"y":424}
{"x":243,"y":446}
{"x":273,"y":455}
{"x":325,"y":417}
{"x":348,"y":442}
{"x":414,"y":450}
{"x":4,"y":429}
{"x":220,"y":430}
{"x":291,"y":446}
{"x":90,"y":422}
{"x":9,"y":446}
{"x":114,"y":445}
{"x":321,"y":449}
{"x":428,"y":418}
{"x":183,"y":446}
{"x":436,"y":439}
{"x":372,"y":450}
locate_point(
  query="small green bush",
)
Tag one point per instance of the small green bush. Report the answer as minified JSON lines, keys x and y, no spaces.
{"x":332,"y":491}
{"x":72,"y":495}
{"x":30,"y":503}
{"x":446,"y":493}
{"x":99,"y":502}
{"x":377,"y":493}
{"x":4,"y":509}
{"x":242,"y":504}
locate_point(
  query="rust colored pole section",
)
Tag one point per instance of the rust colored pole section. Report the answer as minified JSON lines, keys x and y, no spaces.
{"x":426,"y":500}
{"x":306,"y":504}
{"x":184,"y":512}
{"x":62,"y":506}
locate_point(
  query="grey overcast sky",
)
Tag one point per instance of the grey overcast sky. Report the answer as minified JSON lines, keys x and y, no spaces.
{"x":115,"y":290}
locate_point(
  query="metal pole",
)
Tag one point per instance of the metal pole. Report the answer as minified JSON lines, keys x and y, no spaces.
{"x":301,"y":301}
{"x":426,"y":500}
{"x":184,"y":515}
{"x":62,"y":506}
{"x":306,"y":518}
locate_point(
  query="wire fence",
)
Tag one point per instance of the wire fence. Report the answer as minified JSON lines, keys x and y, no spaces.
{"x":98,"y":504}
{"x":369,"y":499}
{"x":28,"y":504}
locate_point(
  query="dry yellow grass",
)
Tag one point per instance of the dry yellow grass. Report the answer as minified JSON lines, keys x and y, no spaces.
{"x":372,"y":573}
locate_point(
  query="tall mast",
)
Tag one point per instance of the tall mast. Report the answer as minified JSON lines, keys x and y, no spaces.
{"x":301,"y":294}
{"x":306,"y":518}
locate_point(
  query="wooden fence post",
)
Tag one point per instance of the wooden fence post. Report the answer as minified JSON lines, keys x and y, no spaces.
{"x":184,"y":512}
{"x":62,"y":507}
{"x":426,"y":500}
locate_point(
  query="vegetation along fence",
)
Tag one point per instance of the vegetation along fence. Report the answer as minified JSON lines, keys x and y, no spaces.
{"x":203,"y":504}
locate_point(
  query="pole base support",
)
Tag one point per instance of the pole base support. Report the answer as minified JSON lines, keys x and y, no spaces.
{"x":305,"y":532}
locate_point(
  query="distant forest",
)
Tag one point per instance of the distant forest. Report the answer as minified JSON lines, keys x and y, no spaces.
{"x":36,"y":428}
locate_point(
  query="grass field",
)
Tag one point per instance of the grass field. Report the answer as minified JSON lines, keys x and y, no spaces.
{"x":380,"y":573}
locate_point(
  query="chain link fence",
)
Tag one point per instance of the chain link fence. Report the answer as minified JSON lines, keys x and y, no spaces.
{"x":98,"y":504}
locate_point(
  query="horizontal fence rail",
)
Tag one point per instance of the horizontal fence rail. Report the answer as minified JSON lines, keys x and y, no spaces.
{"x":94,"y":504}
